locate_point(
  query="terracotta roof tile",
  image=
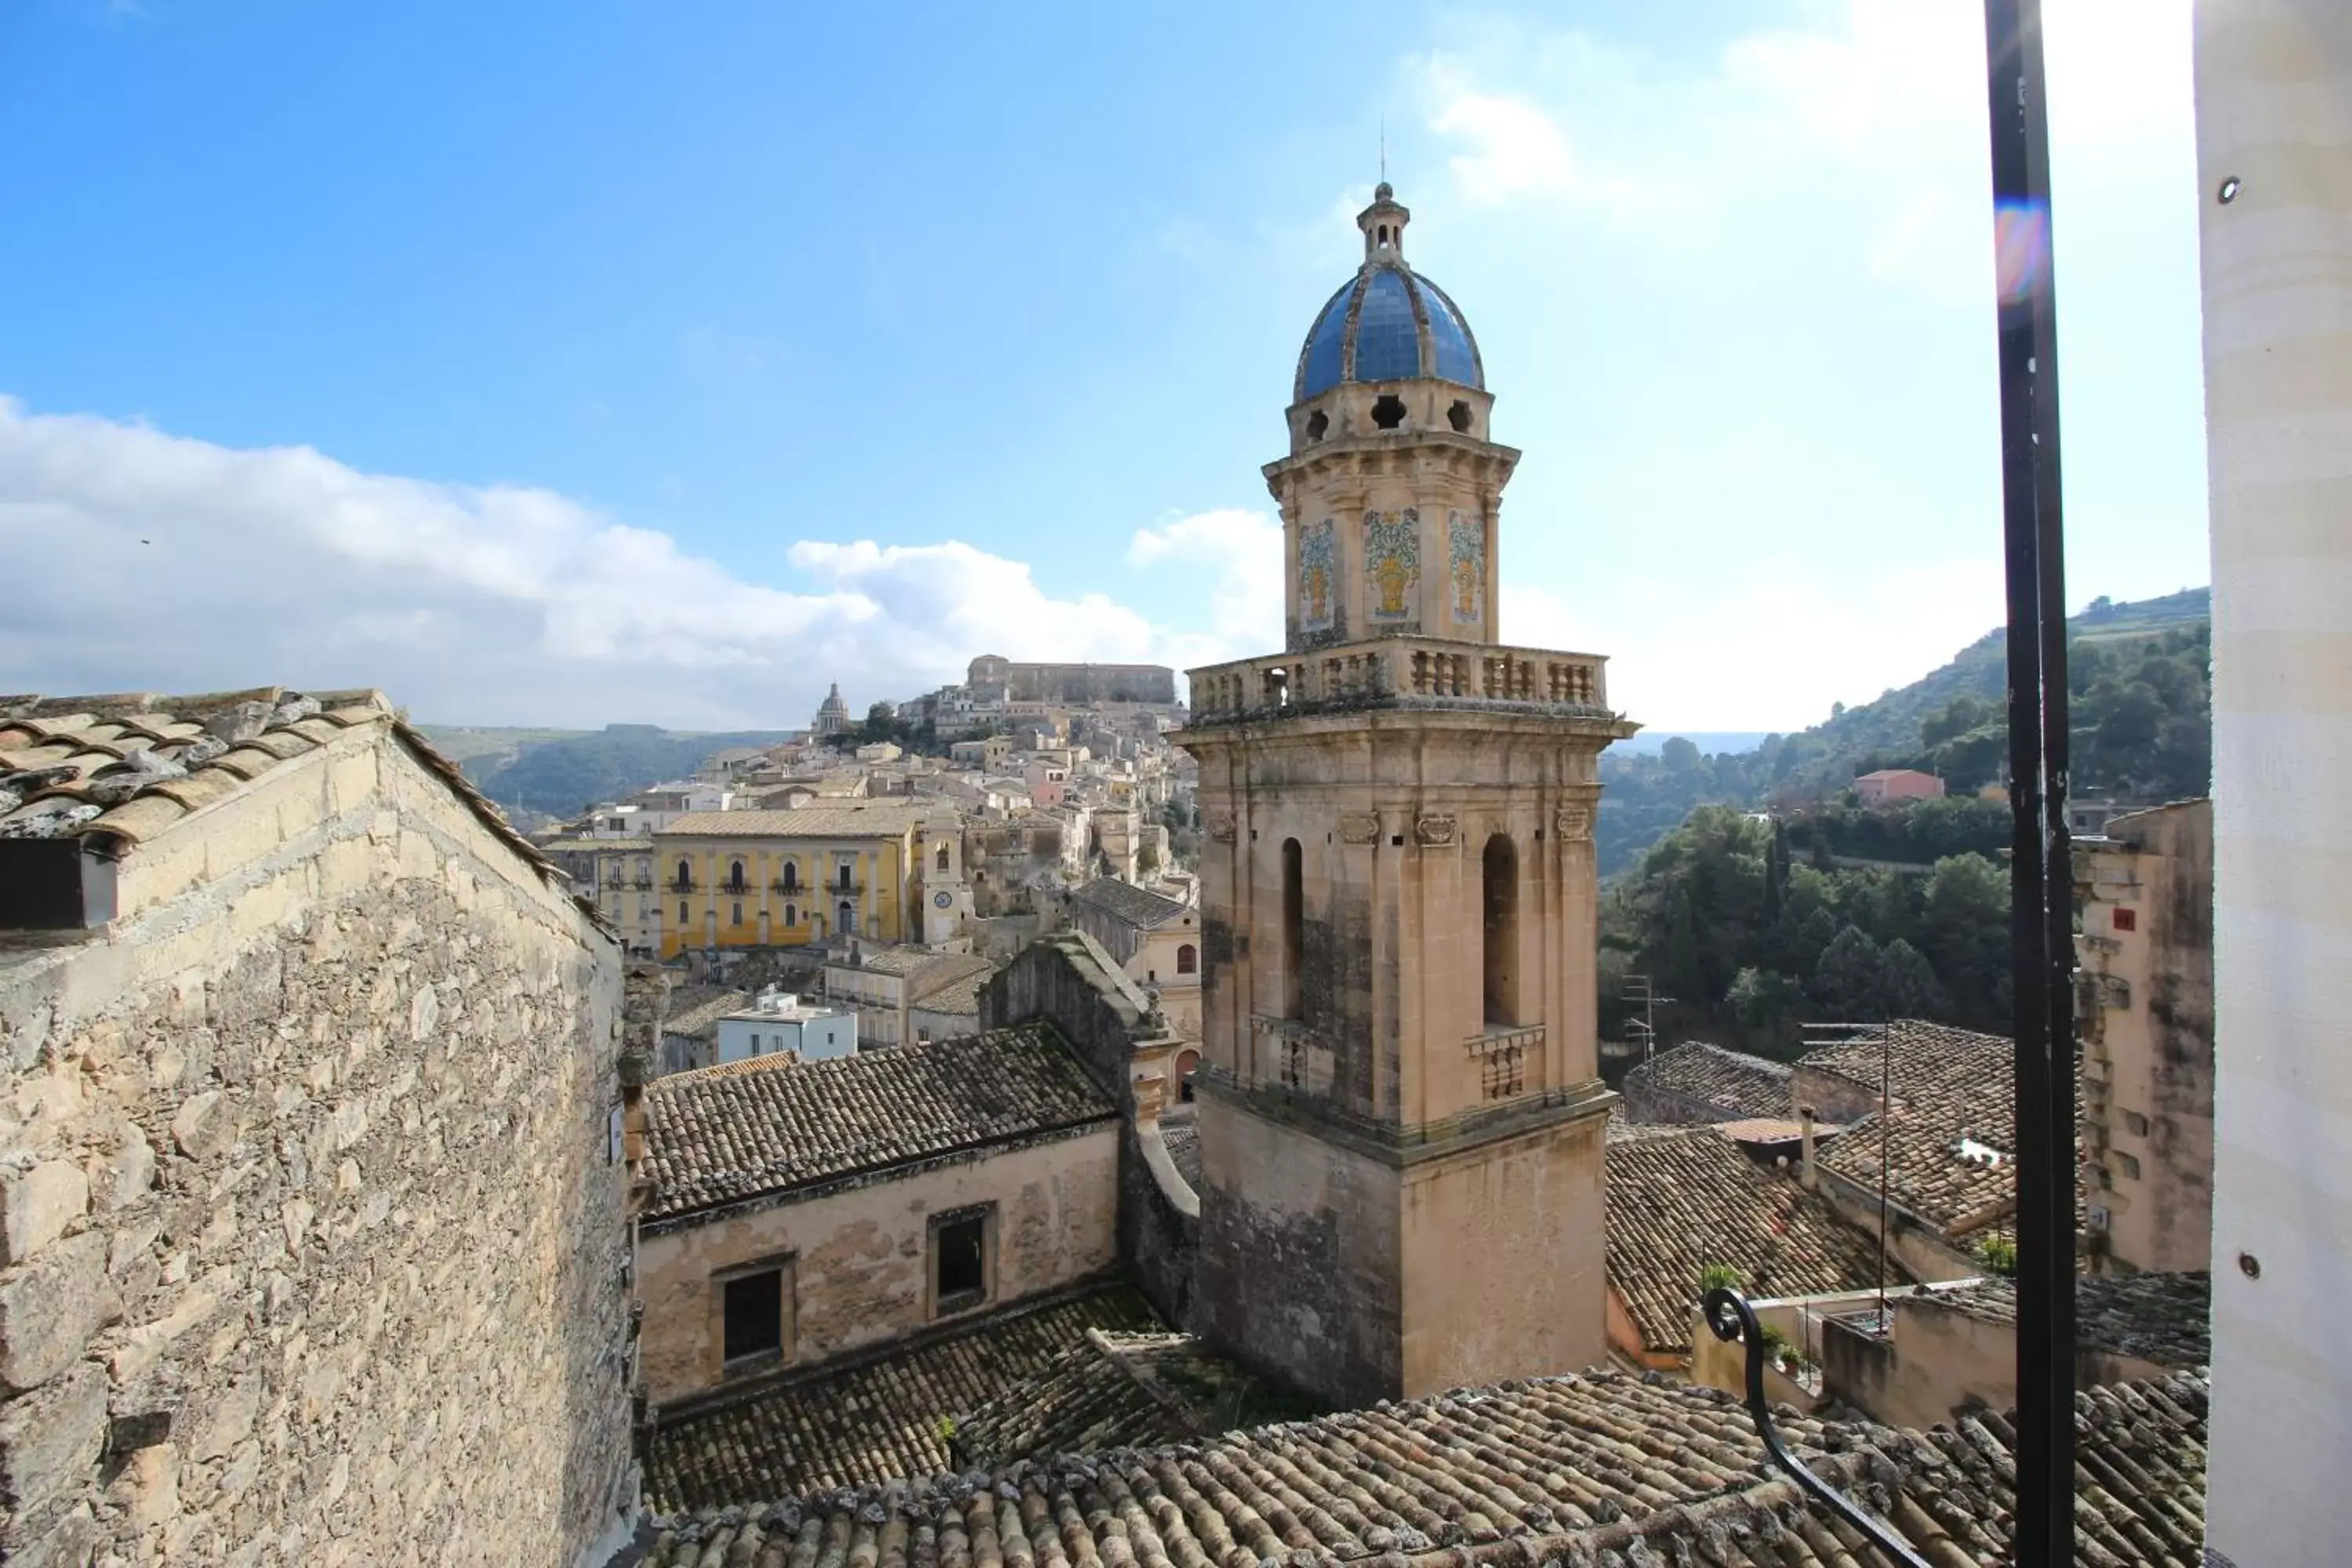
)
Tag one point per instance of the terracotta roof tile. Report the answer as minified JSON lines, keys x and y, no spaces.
{"x":1138,"y":907}
{"x":847,"y":819}
{"x":1715,"y":1084}
{"x":743,"y":1130}
{"x":121,"y":768}
{"x":1679,"y":1201}
{"x":2166,"y":1318}
{"x":1946,"y":1086}
{"x":863,"y":1421}
{"x":1599,"y":1468}
{"x":1109,"y":1389}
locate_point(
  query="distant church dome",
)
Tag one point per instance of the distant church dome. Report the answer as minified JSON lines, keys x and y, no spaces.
{"x":1388,"y":322}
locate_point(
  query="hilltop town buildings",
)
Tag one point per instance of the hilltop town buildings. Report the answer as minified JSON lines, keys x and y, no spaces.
{"x":325,"y":1139}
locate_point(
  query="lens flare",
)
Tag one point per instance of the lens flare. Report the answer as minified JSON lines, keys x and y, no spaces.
{"x":2020,"y":245}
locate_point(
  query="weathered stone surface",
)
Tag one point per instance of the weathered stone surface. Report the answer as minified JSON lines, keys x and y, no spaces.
{"x":50,"y":1307}
{"x":37,"y":1205}
{"x":375,"y":1279}
{"x":50,"y":1438}
{"x":204,"y":1126}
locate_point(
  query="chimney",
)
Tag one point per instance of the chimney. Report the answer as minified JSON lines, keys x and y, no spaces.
{"x":1805,"y":1149}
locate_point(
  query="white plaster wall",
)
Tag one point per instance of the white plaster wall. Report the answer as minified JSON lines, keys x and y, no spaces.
{"x":2275,"y":112}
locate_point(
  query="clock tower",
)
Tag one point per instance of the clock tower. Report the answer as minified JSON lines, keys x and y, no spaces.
{"x":1399,"y":1107}
{"x":947,"y":896}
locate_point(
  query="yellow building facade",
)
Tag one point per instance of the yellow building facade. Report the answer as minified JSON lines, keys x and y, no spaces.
{"x":761,"y":878}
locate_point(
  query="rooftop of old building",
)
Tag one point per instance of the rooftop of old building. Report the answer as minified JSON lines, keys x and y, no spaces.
{"x":1592,"y":1468}
{"x":1732,"y":1084}
{"x":2166,"y":1318}
{"x":728,"y":1134}
{"x":862,"y":1420}
{"x":1114,"y":1389}
{"x":1137,"y":907}
{"x":117,"y":770}
{"x":694,"y":1010}
{"x":841,"y":819}
{"x":1951,"y":1137}
{"x":1680,"y":1201}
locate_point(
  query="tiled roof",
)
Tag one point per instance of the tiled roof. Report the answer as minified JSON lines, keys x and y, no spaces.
{"x":845,"y":819}
{"x":1948,"y":1084}
{"x":2166,"y":1318}
{"x":1109,"y":1390}
{"x":864,"y":1421}
{"x":1732,"y":1084}
{"x":958,"y":995}
{"x":1183,"y":1136}
{"x":720,"y":1135}
{"x":1681,"y":1200}
{"x":1138,"y":907}
{"x":1603,"y":1468}
{"x":694,"y":1010}
{"x":125,"y":767}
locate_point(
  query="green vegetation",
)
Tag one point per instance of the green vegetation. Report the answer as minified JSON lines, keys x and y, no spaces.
{"x":882,"y":725}
{"x":474,"y":742}
{"x":2141,"y":725}
{"x":1752,"y":941}
{"x":1719,"y":1277}
{"x":1998,"y":1255}
{"x":565,"y":775}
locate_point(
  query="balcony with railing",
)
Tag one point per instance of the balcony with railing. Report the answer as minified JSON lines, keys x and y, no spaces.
{"x":683,"y":885}
{"x":1403,"y":672}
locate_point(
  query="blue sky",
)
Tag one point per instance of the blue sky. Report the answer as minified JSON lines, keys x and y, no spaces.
{"x":565,"y":363}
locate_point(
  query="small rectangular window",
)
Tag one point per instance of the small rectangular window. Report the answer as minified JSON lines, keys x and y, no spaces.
{"x":681,"y":913}
{"x":2126,"y":919}
{"x":2136,"y":1124}
{"x":754,"y":1314}
{"x":959,"y":1258}
{"x":2125,"y":1165}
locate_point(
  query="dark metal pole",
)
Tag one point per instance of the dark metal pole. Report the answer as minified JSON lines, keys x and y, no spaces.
{"x":2042,"y":884}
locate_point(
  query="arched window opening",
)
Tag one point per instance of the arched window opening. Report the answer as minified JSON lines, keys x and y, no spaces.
{"x":1186,"y":1064}
{"x":792,"y":878}
{"x":1294,"y":924}
{"x":1501,"y":875}
{"x":735,"y":876}
{"x":1388,"y":411}
{"x":845,"y":883}
{"x":1459,"y":416}
{"x":943,"y":859}
{"x":685,"y":875}
{"x":792,"y":915}
{"x":1188,"y":959}
{"x":847,"y":916}
{"x":1319,"y":424}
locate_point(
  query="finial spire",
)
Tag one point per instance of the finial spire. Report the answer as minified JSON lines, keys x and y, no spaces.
{"x":1384,"y":149}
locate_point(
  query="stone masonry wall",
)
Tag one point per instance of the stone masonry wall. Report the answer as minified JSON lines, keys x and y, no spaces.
{"x":313,"y":1253}
{"x":1069,"y":978}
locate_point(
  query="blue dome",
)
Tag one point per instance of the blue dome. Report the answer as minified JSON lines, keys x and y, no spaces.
{"x":1386,"y":323}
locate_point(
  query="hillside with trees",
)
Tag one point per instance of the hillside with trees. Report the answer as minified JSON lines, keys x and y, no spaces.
{"x":561,"y":773}
{"x":2140,"y":679}
{"x":1753,"y":936}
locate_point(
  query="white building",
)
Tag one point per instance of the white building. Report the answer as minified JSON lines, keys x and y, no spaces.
{"x":780,"y":1021}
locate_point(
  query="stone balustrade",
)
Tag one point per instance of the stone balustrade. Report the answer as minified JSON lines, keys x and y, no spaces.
{"x":1401,"y":672}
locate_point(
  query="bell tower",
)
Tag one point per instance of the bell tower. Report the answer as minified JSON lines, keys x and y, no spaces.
{"x":1400,"y":1112}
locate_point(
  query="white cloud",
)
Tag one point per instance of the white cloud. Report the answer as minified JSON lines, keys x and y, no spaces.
{"x":1239,"y":553}
{"x":1866,"y":130}
{"x":149,"y":562}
